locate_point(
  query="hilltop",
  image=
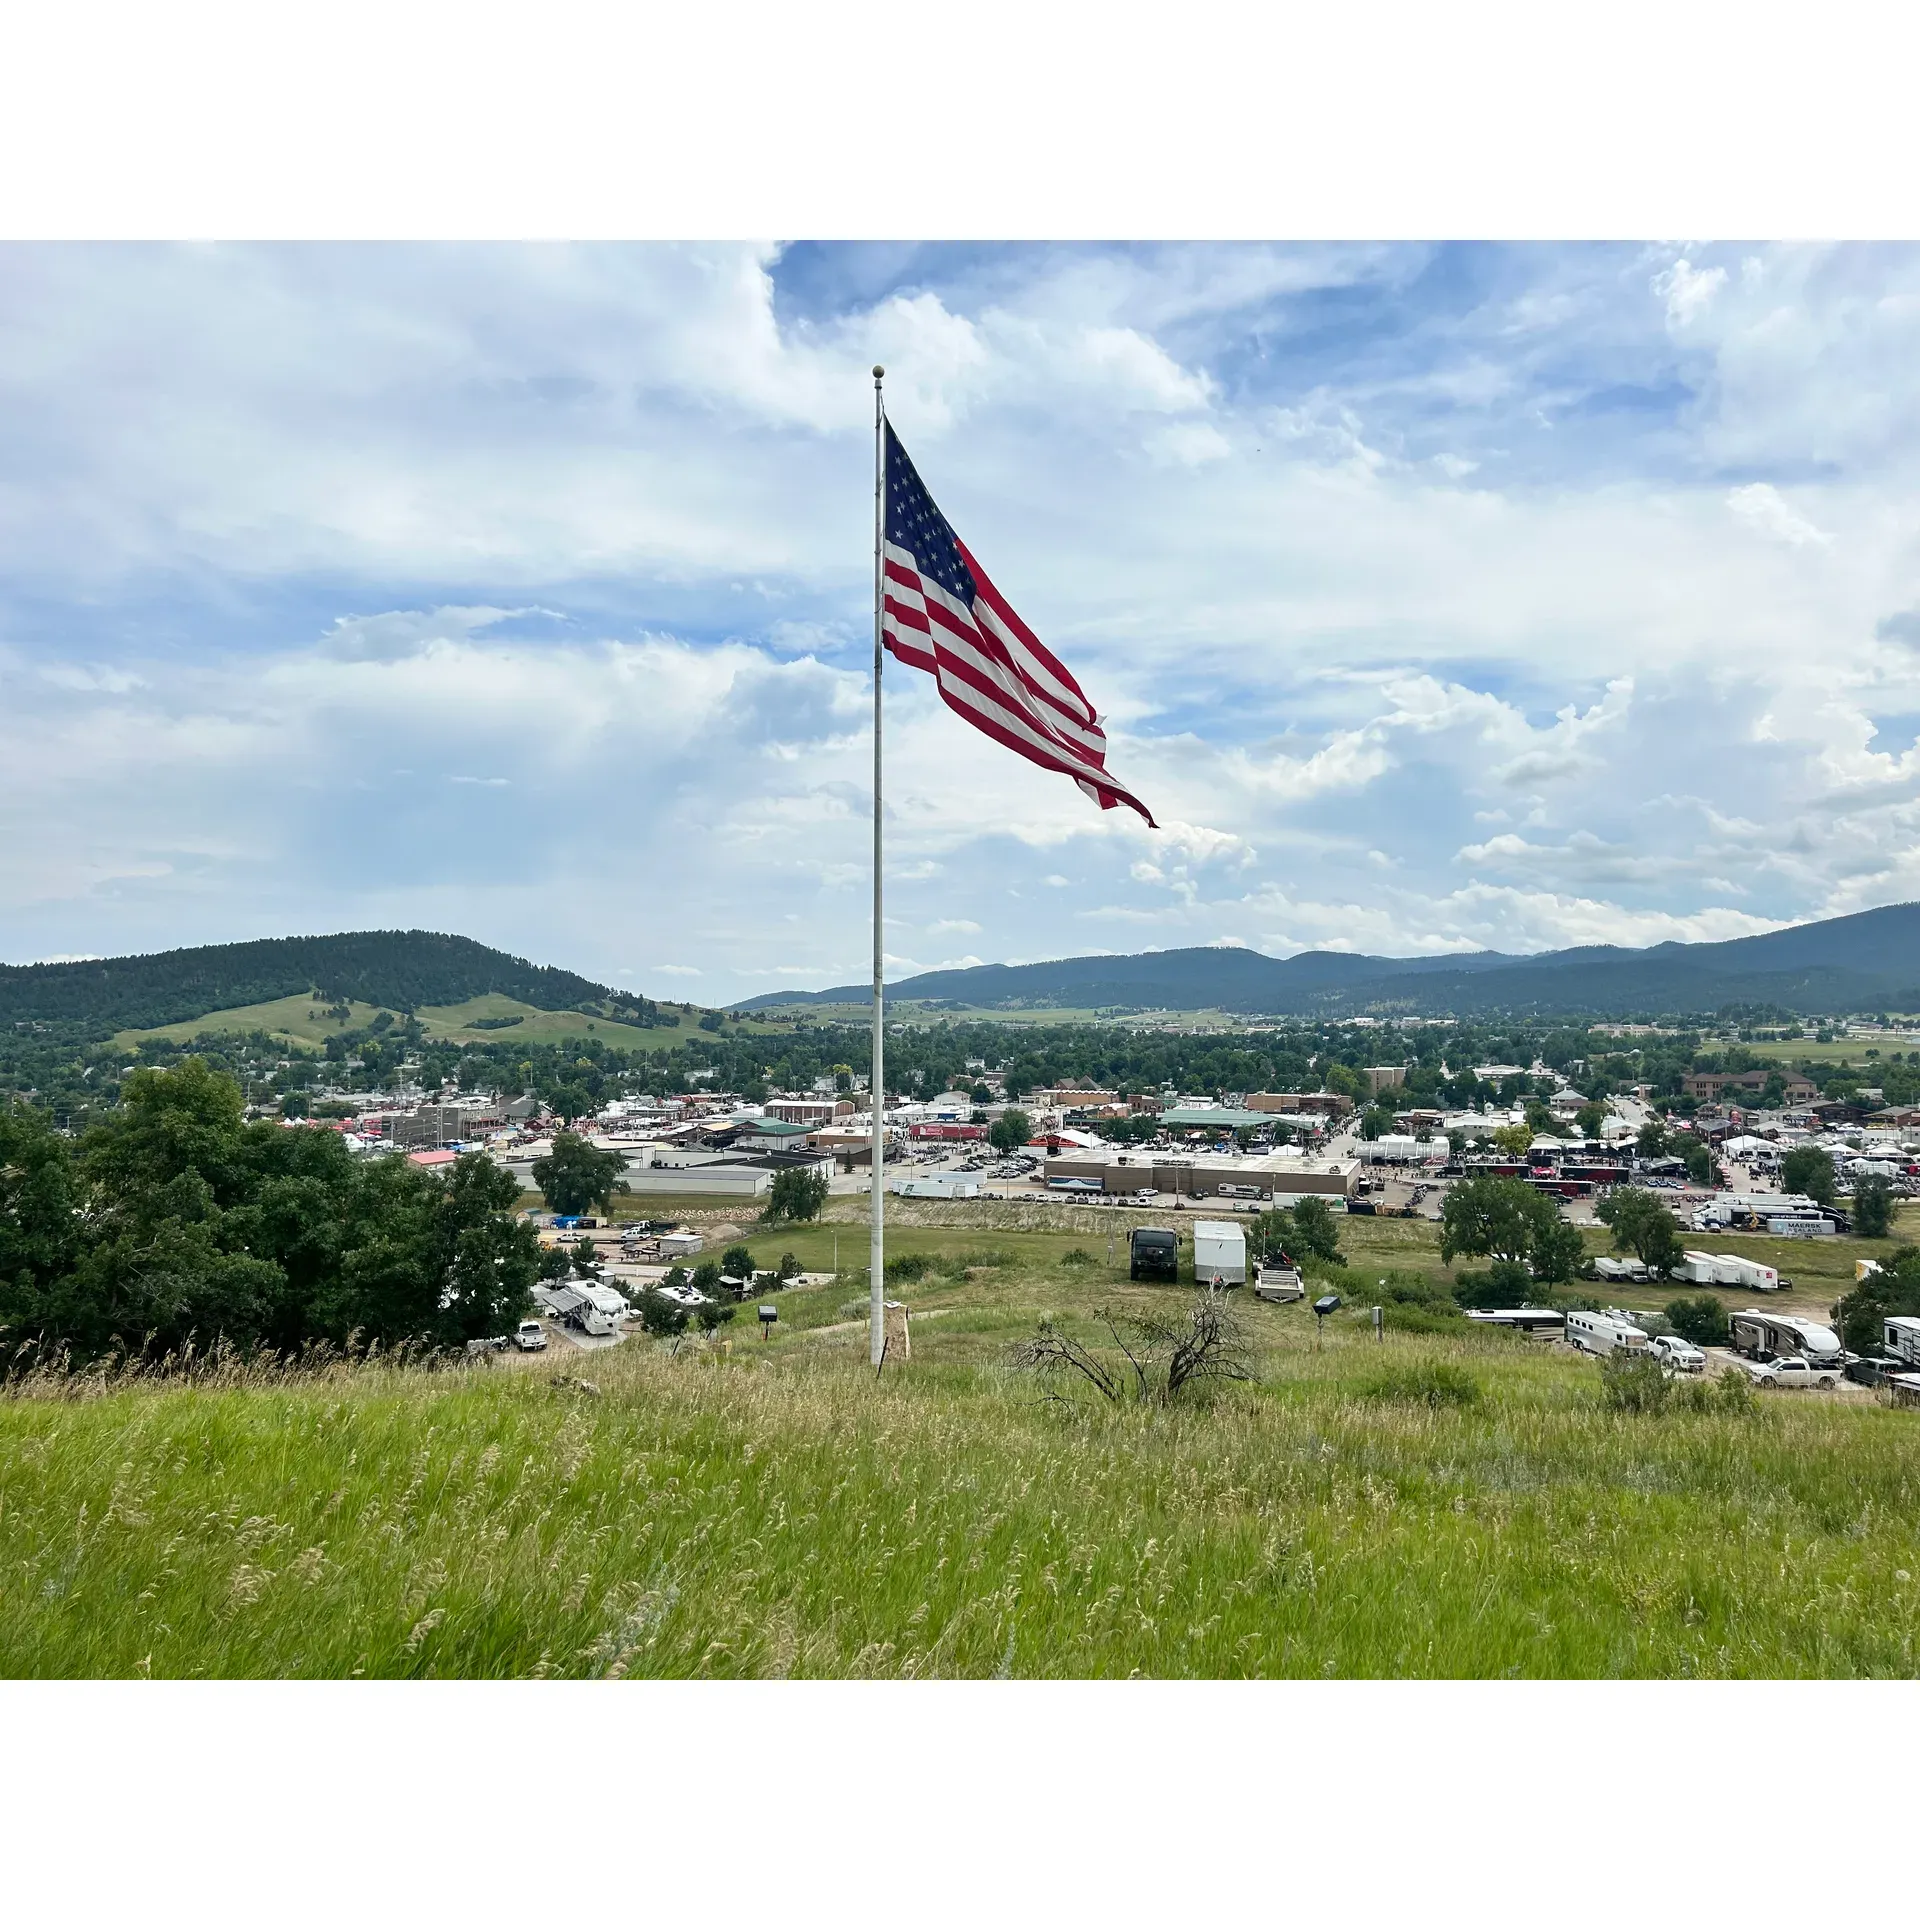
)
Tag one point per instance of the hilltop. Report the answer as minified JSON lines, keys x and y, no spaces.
{"x":1862,"y":962}
{"x":96,"y":999}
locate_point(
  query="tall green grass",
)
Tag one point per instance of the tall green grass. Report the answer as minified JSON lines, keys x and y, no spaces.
{"x":1361,"y":1511}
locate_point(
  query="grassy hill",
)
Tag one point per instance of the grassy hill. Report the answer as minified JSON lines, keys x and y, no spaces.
{"x":91,"y":999}
{"x":301,"y":1023}
{"x":779,"y":1511}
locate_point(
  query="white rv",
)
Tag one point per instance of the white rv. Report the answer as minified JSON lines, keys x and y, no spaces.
{"x":1783,"y":1336}
{"x":1219,"y":1253}
{"x":1900,"y":1335}
{"x":1603,"y":1333}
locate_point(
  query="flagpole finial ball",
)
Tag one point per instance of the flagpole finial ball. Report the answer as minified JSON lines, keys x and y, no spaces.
{"x":879,"y":373}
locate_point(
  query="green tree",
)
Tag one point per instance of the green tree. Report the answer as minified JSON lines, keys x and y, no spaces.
{"x":1513,"y":1140}
{"x":1591,"y":1118}
{"x":790,"y":1268}
{"x":706,"y":1278}
{"x":1514,"y":1225}
{"x":1697,"y":1157}
{"x":1698,"y":1317}
{"x":1872,"y":1207}
{"x":1891,"y":1291}
{"x":1809,"y":1170}
{"x":1642,"y":1226}
{"x":1307,"y":1230}
{"x":1373,"y":1123}
{"x":713,"y":1314}
{"x":570,"y":1102}
{"x":798,"y":1193}
{"x":1010,"y":1132}
{"x":576,"y":1177}
{"x":737,"y":1263}
{"x":1651,"y":1142}
{"x":661,"y":1317}
{"x":40,"y":1233}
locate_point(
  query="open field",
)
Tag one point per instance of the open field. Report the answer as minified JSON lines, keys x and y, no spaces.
{"x":778,"y":1511}
{"x":299,"y":1021}
{"x":1833,"y":1053}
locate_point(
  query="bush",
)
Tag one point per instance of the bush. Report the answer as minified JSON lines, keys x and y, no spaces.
{"x":714,"y":1314}
{"x":1077,"y":1257}
{"x":1415,"y":1319}
{"x":737,"y":1263}
{"x":1634,"y":1383}
{"x":1504,"y":1286}
{"x":907,"y":1266}
{"x":1699,"y":1318}
{"x":790,"y":1268}
{"x":1427,"y":1383}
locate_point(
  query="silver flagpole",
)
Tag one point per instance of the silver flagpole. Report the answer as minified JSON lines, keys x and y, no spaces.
{"x":877,"y":1085}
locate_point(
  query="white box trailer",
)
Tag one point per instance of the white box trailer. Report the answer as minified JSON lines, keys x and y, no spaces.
{"x":1605,"y":1333}
{"x":1219,"y":1253}
{"x":1782,"y":1336}
{"x":1729,"y":1270}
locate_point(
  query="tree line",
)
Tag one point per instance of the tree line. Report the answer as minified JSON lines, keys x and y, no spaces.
{"x":172,"y":1220}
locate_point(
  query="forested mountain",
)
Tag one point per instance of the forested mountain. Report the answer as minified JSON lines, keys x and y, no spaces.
{"x":1864,"y":961}
{"x":90,"y":999}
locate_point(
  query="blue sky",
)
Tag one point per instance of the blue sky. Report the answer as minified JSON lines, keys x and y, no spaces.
{"x":1436,"y":597}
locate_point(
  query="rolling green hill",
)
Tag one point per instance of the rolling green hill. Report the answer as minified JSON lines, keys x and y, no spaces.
{"x":302,"y":1023}
{"x":1862,"y":962}
{"x":94,"y":999}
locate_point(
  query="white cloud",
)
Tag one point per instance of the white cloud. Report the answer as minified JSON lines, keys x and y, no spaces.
{"x":524,"y":592}
{"x":1761,"y":506}
{"x":1688,"y":290}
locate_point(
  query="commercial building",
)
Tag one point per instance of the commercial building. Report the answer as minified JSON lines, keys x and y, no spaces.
{"x":1379,"y":1078}
{"x":1329,"y":1105}
{"x":1201,"y":1176}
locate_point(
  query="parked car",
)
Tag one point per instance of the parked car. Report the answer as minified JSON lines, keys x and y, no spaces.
{"x":1790,"y":1373}
{"x":1681,"y":1355}
{"x":531,"y":1337}
{"x":1873,"y":1371}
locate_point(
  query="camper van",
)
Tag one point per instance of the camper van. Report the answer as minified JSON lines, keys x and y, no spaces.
{"x":1219,"y":1253}
{"x":1603,"y":1333}
{"x":1783,"y":1336}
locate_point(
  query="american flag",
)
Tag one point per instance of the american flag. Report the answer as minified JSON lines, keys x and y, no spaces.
{"x":941,"y":613}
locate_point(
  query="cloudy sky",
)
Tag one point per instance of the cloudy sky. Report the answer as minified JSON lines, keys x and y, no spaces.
{"x":1436,"y":597}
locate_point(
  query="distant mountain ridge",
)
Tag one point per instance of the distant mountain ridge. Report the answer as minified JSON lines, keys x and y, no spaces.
{"x":94,"y":998}
{"x":1861,"y":962}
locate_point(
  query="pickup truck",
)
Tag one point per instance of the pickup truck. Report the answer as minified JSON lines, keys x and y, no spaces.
{"x":1790,"y":1373}
{"x":1681,"y":1355}
{"x":531,"y":1337}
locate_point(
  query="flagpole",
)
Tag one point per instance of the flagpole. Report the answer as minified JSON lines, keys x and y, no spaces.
{"x":877,"y":1085}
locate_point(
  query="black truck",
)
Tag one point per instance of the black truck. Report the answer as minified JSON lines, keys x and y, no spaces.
{"x":1153,"y":1253}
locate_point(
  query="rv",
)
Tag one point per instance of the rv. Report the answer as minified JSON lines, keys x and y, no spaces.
{"x":1604,"y":1333}
{"x":1900,"y":1335}
{"x":1539,"y":1323}
{"x":1783,"y":1336}
{"x":1730,"y":1270}
{"x":1219,"y":1254}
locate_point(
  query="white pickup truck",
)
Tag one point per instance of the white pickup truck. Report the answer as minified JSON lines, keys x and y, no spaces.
{"x":1791,"y":1373}
{"x":1680,"y":1355}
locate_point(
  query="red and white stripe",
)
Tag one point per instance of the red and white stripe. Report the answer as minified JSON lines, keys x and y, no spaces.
{"x":996,"y":675}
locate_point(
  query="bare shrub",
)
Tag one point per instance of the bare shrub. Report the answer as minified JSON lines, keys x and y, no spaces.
{"x":1157,"y":1358}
